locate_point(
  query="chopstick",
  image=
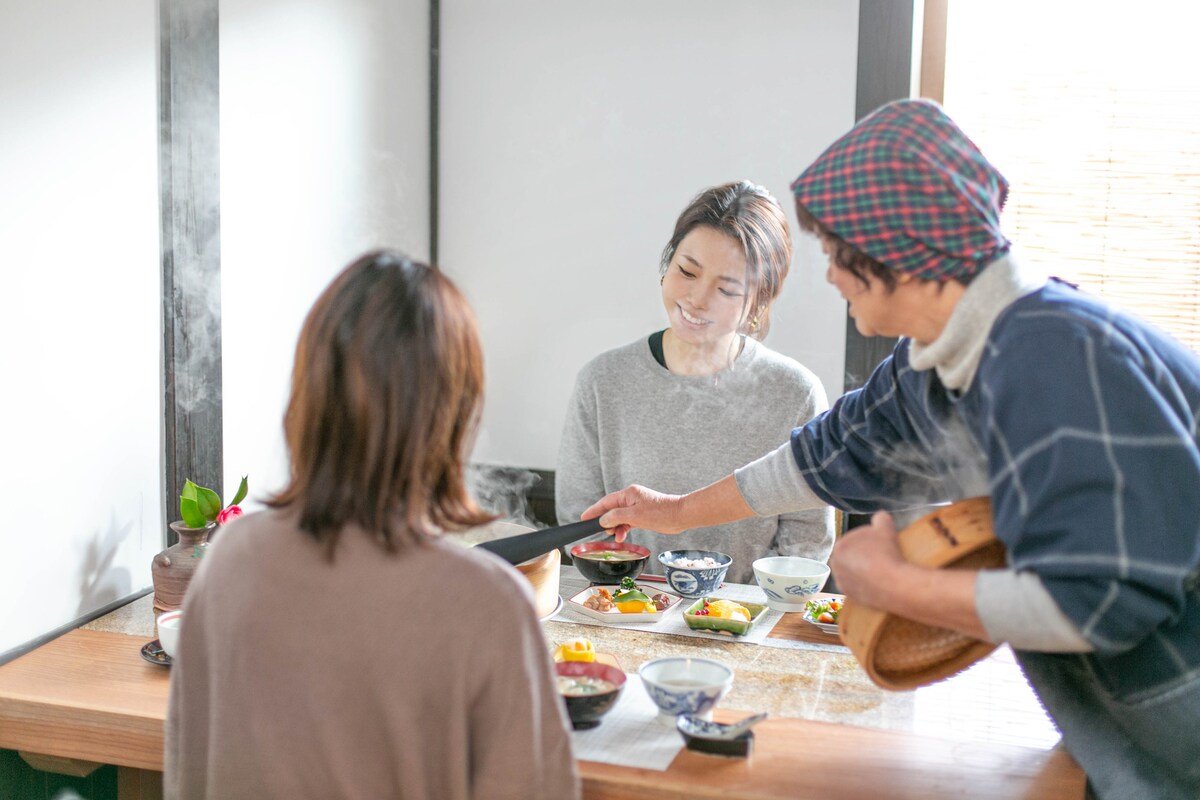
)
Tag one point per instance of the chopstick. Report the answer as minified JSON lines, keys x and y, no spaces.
{"x":661,"y":579}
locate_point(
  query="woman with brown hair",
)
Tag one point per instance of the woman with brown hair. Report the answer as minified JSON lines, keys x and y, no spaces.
{"x":693,"y":401}
{"x":338,"y":645}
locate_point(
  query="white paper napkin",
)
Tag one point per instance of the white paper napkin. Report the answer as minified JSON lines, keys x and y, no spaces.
{"x":630,"y":734}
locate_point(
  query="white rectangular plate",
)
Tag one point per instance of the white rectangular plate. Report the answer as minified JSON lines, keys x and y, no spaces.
{"x":576,"y":602}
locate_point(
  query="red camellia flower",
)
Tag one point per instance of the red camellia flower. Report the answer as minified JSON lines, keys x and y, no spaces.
{"x":228,"y":514}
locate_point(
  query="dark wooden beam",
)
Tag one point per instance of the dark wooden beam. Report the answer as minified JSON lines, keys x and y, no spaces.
{"x":885,"y":56}
{"x":885,"y":63}
{"x":190,"y":214}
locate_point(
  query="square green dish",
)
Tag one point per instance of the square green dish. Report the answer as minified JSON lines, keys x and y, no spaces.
{"x":737,"y":627}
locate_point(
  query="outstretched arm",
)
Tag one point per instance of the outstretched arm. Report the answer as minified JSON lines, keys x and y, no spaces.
{"x":639,"y":507}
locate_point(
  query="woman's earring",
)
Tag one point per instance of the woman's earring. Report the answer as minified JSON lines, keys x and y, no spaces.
{"x":754,"y":324}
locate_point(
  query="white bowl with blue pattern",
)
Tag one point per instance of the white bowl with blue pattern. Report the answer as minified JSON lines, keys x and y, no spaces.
{"x":694,"y":581}
{"x":790,"y":581}
{"x":679,"y":685}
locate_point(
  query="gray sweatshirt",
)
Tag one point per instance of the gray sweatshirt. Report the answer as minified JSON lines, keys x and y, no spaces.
{"x":631,"y":420}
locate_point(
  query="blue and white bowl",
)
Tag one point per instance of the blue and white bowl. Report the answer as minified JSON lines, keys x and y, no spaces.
{"x":790,"y":581}
{"x":698,"y":581}
{"x":685,"y":686}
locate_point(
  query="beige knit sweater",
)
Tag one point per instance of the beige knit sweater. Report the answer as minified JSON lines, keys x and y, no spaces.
{"x":421,"y":675}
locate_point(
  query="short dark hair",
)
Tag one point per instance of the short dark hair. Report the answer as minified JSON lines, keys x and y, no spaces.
{"x":752,"y":217}
{"x":385,"y":401}
{"x":845,"y":255}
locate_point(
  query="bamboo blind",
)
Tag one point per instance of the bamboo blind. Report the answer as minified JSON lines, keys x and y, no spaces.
{"x":1095,"y":121}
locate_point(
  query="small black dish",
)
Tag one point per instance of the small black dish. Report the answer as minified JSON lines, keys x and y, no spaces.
{"x":609,"y":572}
{"x":153,"y":652}
{"x":692,"y":730}
{"x":739,"y":747}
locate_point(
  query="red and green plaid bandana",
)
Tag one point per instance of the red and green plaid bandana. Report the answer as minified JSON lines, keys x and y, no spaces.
{"x":908,"y":188}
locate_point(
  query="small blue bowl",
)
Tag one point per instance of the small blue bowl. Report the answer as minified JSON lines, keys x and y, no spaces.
{"x":679,"y":685}
{"x":692,"y":581}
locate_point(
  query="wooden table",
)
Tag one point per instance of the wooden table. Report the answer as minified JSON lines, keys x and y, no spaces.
{"x":89,"y":696}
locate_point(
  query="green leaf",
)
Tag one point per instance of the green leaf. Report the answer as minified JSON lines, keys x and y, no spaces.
{"x":189,"y":509}
{"x":241,"y":492}
{"x":209,"y":502}
{"x":189,"y":491}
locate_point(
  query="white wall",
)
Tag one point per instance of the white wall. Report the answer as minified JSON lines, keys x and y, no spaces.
{"x":324,"y":154}
{"x":572,"y":136}
{"x":80,"y":331}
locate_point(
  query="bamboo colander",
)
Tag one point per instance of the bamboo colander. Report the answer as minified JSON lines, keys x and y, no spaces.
{"x":898,"y":653}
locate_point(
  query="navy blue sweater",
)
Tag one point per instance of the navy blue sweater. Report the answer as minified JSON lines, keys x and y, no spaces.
{"x":1081,"y":423}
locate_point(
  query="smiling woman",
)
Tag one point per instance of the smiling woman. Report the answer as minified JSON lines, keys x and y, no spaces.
{"x":686,"y":403}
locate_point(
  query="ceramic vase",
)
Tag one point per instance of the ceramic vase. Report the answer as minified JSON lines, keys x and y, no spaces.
{"x":172,"y":569}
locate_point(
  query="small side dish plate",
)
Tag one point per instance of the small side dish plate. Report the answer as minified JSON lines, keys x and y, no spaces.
{"x":152,"y":651}
{"x":706,"y":622}
{"x":828,"y":627}
{"x":697,"y":736}
{"x":615,"y":617}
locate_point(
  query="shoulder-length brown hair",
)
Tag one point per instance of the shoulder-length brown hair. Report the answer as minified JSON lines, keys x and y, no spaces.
{"x":752,"y":217}
{"x":386,"y":395}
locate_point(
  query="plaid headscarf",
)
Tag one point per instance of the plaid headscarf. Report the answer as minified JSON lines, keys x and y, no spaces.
{"x":908,"y":188}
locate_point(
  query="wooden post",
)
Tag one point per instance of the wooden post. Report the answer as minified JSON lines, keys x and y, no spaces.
{"x":885,"y":70}
{"x":189,"y":180}
{"x":885,"y":64}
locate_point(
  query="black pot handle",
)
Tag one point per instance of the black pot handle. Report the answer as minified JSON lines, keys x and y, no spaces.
{"x":525,"y":546}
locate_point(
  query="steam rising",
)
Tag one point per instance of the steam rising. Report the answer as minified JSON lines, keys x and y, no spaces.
{"x":195,"y":346}
{"x":504,"y":491}
{"x":953,"y":467}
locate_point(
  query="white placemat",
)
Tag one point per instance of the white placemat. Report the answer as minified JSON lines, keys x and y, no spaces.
{"x":630,"y":734}
{"x":672,"y":621}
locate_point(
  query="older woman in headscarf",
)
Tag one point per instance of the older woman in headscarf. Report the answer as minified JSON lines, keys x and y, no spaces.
{"x":1078,"y":419}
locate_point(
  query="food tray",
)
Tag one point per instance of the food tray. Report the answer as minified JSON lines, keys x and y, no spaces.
{"x":736,"y":627}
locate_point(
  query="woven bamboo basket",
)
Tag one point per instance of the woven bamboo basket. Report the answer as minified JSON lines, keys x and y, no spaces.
{"x":900,"y":654}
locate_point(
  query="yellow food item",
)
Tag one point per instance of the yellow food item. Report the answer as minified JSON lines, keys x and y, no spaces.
{"x":575,"y":650}
{"x":727,"y":609}
{"x":636,"y":607}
